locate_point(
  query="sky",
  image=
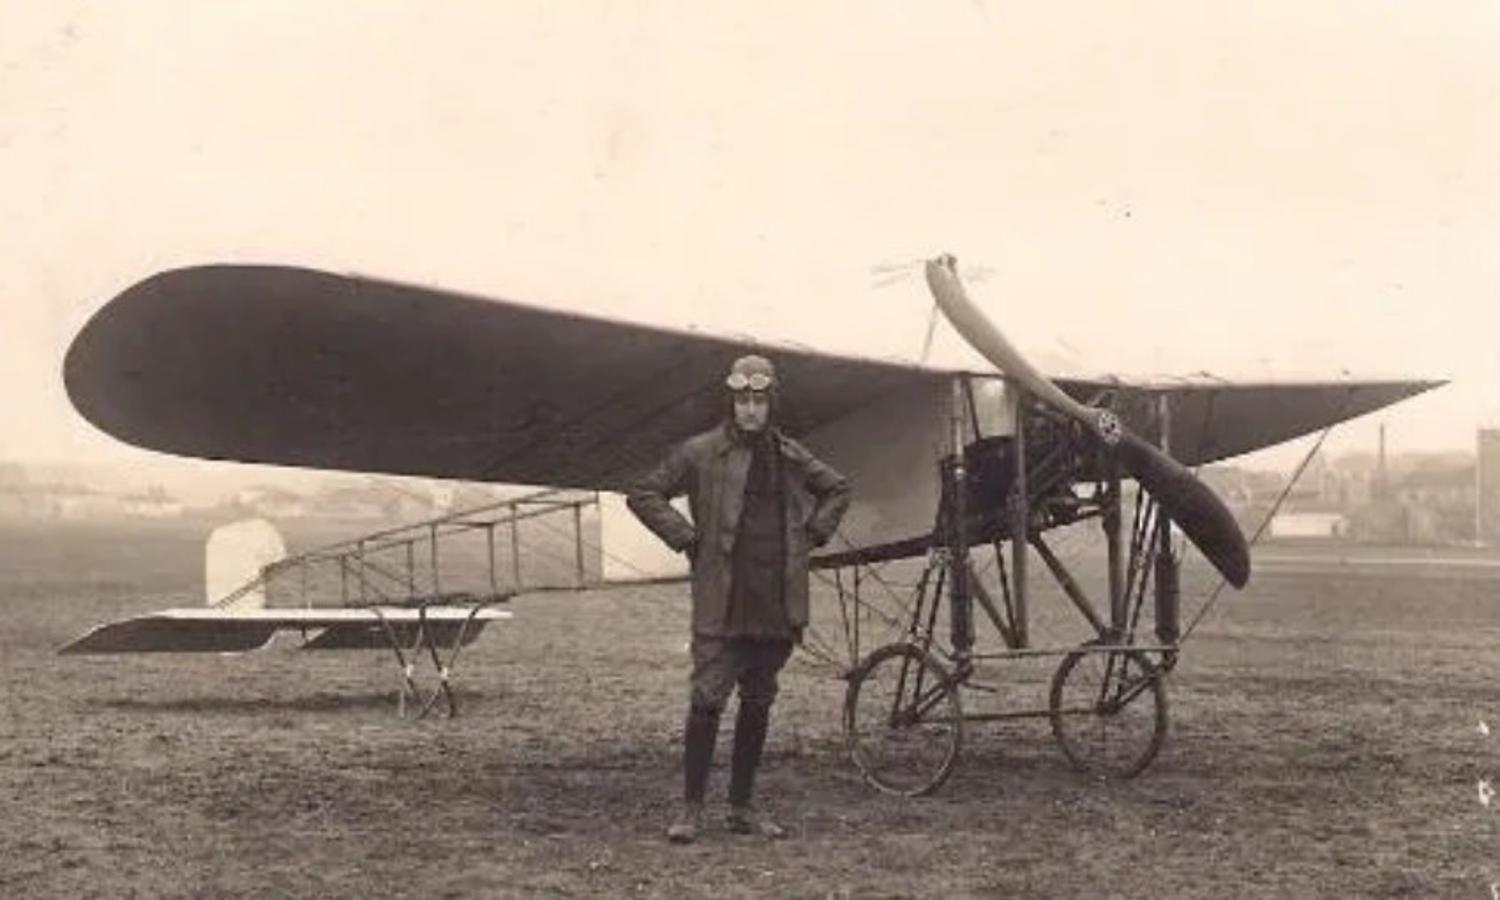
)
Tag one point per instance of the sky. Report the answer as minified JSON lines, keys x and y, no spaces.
{"x":1267,"y":190}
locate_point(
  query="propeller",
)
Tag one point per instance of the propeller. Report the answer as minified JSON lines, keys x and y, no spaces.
{"x":1190,"y":503}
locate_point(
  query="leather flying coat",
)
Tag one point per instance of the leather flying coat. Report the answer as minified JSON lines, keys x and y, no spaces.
{"x":711,"y":469}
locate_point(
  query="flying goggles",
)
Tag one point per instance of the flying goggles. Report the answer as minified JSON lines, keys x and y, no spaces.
{"x":739,"y":381}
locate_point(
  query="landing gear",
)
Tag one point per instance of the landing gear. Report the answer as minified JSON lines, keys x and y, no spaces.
{"x":903,"y":721}
{"x":1109,"y":711}
{"x":1107,"y":702}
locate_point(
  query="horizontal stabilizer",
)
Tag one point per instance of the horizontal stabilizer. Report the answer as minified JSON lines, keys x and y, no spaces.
{"x":196,"y":630}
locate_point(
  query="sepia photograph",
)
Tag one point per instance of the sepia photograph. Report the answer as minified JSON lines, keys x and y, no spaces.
{"x":827,"y":449}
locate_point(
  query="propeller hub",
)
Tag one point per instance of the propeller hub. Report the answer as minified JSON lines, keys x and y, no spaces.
{"x":1108,"y":427}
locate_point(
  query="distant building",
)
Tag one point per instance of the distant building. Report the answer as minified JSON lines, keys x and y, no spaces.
{"x":272,"y":502}
{"x":368,"y":500}
{"x":1439,"y":497}
{"x":12,"y":475}
{"x":1310,"y":525}
{"x":25,"y":501}
{"x":1430,"y":502}
{"x":153,"y":503}
{"x":69,"y":501}
{"x":1356,"y":477}
{"x":1487,"y":487}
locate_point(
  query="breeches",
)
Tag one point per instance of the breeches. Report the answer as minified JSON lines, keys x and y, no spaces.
{"x":721,"y":664}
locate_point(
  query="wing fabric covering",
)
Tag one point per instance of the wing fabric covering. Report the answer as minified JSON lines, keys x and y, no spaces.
{"x":296,"y":367}
{"x":1213,"y":419}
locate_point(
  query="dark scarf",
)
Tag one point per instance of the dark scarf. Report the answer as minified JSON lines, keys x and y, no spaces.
{"x":756,"y":603}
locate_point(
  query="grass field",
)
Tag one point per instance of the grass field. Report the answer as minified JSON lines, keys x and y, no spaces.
{"x":1324,"y":742}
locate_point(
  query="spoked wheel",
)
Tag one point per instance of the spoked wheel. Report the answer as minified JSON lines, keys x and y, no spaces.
{"x":903,"y":721}
{"x":1109,"y":711}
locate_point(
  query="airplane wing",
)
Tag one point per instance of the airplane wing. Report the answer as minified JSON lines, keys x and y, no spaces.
{"x":209,"y":630}
{"x":298,"y":367}
{"x":303,"y":368}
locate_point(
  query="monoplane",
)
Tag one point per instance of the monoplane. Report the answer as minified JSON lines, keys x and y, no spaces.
{"x":290,"y":366}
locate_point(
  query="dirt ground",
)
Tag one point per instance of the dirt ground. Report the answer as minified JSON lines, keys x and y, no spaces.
{"x":1325,"y":742}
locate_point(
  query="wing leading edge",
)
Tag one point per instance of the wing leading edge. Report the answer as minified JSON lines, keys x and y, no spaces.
{"x":297,"y":367}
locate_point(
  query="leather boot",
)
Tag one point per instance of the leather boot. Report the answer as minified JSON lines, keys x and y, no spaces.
{"x":699,"y":736}
{"x":750,"y":726}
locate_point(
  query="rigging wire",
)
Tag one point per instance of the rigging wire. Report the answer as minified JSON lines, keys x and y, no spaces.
{"x":595,"y":548}
{"x":1264,"y":524}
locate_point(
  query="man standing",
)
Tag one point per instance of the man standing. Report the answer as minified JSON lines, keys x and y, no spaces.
{"x":760,"y":502}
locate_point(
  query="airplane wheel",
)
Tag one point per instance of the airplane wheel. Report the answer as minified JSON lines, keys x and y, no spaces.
{"x":903,"y":721}
{"x":1109,"y":711}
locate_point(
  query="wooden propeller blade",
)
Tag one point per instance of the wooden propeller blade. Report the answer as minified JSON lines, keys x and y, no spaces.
{"x":1190,"y":503}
